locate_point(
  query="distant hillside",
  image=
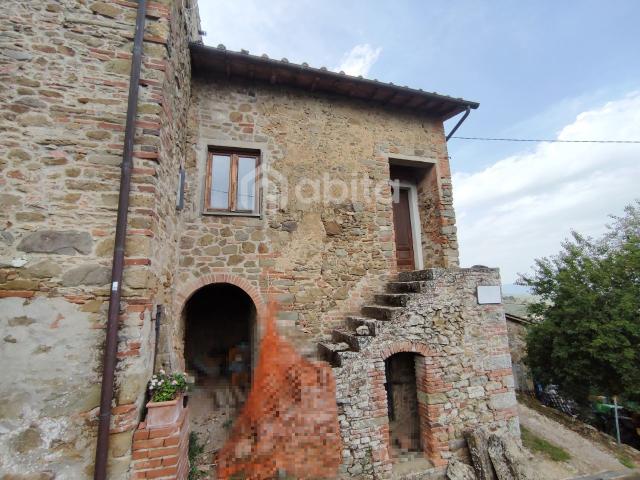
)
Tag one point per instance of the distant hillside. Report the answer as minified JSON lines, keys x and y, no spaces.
{"x":517,"y":304}
{"x":513,"y":289}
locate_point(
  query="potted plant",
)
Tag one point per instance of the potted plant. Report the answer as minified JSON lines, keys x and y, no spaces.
{"x":166,"y":398}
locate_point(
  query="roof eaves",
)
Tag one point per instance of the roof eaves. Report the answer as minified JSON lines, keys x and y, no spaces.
{"x":324,"y":73}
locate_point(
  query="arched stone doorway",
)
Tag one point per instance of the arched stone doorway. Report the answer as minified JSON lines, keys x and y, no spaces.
{"x":410,"y":430}
{"x":402,"y":402}
{"x":220,"y":343}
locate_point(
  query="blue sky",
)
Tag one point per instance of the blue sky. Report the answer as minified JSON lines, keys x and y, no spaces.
{"x":539,"y":69}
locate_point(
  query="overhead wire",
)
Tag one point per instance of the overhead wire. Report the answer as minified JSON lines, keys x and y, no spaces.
{"x":542,"y":140}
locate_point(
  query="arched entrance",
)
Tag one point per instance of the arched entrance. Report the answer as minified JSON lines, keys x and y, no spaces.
{"x":402,"y":401}
{"x":403,"y":381}
{"x":220,"y":321}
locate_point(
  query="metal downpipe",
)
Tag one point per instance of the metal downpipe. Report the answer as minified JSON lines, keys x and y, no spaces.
{"x":111,"y":344}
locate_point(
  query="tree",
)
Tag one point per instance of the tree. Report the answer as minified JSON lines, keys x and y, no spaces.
{"x":587,"y":340}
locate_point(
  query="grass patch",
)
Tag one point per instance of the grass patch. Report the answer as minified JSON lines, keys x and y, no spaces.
{"x":626,"y":461}
{"x":540,"y":445}
{"x":196,"y":449}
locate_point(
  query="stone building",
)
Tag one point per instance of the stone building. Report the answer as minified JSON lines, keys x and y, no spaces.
{"x":253,"y":179}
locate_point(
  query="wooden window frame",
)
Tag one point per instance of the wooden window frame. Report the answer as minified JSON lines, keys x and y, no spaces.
{"x":233,"y":182}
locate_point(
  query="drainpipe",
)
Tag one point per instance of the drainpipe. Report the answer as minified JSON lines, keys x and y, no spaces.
{"x":464,"y":117}
{"x":111,"y":345}
{"x":159,"y":312}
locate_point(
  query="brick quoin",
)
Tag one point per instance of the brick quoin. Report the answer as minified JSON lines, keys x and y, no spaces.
{"x":162,"y":452}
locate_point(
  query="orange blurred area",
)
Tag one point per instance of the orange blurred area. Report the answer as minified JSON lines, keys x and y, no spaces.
{"x":289,"y":424}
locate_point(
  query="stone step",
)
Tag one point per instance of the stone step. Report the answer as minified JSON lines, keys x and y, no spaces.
{"x":218,"y":399}
{"x":224,"y":398}
{"x":420,"y":473}
{"x":392,"y":299}
{"x":355,"y":322}
{"x":328,"y":351}
{"x":406,"y":287}
{"x":382,"y":312}
{"x":340,"y":336}
{"x":356,"y":342}
{"x":416,"y":275}
{"x":238,"y":396}
{"x":343,"y":358}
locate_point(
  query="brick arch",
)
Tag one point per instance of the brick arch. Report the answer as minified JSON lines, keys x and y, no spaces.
{"x":428,"y":381}
{"x":405,"y":346}
{"x":188,"y":290}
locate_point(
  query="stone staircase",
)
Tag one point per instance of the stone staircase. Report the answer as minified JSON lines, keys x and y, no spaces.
{"x":462,"y":367}
{"x":359,"y":331}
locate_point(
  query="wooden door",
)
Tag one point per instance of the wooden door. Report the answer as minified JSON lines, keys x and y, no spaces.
{"x":402,"y":227}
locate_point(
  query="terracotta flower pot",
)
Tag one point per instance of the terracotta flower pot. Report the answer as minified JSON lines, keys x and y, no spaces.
{"x":161,"y":414}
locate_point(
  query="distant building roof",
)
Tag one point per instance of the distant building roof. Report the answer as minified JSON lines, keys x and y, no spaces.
{"x":282,"y":72}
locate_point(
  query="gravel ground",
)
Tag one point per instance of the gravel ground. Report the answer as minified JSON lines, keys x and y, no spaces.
{"x":587,"y":457}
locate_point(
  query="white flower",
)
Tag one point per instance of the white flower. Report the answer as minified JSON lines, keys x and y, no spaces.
{"x":174,"y":383}
{"x":161,"y":372}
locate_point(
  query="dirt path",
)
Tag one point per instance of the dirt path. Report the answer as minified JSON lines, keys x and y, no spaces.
{"x":587,"y":457}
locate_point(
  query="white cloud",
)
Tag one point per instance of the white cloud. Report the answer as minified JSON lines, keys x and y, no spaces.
{"x":523,"y":206}
{"x":261,"y":29}
{"x":359,"y":60}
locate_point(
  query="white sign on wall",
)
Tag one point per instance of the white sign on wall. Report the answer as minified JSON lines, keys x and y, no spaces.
{"x":489,"y":294}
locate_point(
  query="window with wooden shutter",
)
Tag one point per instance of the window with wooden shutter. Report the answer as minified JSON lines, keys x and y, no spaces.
{"x":232,"y":182}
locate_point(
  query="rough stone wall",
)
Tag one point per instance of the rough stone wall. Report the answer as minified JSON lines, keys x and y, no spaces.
{"x":463,"y":375}
{"x":518,"y":347}
{"x":440,"y":239}
{"x":320,"y":260}
{"x":176,"y":98}
{"x":64,"y":72}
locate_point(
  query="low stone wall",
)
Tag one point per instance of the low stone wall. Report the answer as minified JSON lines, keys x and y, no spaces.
{"x":162,"y":452}
{"x":464,"y":376}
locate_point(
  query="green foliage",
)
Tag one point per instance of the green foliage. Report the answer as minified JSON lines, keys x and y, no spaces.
{"x":588,"y":337}
{"x":167,"y":387}
{"x":538,"y":444}
{"x":196,"y":450}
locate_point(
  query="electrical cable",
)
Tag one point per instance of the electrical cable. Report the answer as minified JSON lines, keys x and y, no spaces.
{"x":489,"y":139}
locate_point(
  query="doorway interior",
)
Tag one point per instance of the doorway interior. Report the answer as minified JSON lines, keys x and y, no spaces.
{"x":405,"y":439}
{"x":402,"y":402}
{"x":220,"y":347}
